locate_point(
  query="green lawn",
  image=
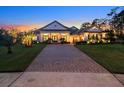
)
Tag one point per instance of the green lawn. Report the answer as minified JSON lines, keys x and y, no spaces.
{"x":20,"y":59}
{"x":111,"y":56}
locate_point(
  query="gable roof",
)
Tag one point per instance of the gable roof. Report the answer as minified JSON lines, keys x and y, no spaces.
{"x":92,"y":29}
{"x":74,"y":30}
{"x":54,"y":26}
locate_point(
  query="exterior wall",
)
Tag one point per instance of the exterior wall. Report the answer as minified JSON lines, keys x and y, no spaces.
{"x":39,"y":37}
{"x":70,"y":38}
{"x":75,"y":38}
{"x":85,"y":36}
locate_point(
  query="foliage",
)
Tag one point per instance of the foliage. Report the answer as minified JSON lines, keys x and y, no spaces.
{"x":6,"y":40}
{"x":117,"y":21}
{"x":14,"y":34}
{"x":115,"y":31}
{"x":85,"y":25}
{"x":121,"y":36}
{"x":62,"y":40}
{"x":27,"y":39}
{"x":110,"y":36}
{"x":99,"y":23}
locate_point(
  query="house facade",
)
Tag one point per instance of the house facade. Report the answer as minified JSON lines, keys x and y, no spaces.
{"x":57,"y":31}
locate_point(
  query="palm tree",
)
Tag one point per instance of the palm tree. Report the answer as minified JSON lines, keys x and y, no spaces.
{"x":27,"y":39}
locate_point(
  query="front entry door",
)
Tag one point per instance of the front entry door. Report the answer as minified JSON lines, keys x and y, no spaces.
{"x":54,"y":37}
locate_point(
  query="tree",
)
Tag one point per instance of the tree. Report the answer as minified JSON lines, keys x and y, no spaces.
{"x":27,"y":39}
{"x":120,"y":25}
{"x":110,"y":36}
{"x":95,"y":23}
{"x":6,"y":40}
{"x":85,"y":25}
{"x":99,"y":22}
{"x":14,"y":34}
{"x":117,"y":21}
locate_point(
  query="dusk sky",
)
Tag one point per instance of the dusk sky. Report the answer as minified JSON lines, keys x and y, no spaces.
{"x":42,"y":15}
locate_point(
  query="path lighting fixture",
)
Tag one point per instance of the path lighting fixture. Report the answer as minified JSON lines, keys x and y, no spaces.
{"x":88,"y":42}
{"x":108,"y":41}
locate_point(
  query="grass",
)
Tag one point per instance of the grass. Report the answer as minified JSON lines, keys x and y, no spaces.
{"x":20,"y":59}
{"x":110,"y":56}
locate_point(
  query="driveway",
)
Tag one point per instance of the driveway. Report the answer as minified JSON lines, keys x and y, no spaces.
{"x":65,"y":65}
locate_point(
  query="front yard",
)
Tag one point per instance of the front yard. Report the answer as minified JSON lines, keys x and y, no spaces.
{"x":20,"y":59}
{"x":110,"y":56}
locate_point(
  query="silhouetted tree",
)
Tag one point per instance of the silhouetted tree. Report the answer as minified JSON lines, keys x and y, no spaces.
{"x":99,"y":22}
{"x":117,"y":21}
{"x":85,"y":25}
{"x":6,"y":40}
{"x":110,"y":36}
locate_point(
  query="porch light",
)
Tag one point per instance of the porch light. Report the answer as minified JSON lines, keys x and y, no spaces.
{"x":91,"y":40}
{"x":108,"y":41}
{"x":88,"y":42}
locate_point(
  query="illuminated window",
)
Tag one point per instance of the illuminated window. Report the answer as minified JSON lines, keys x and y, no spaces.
{"x":55,"y":37}
{"x":45,"y":37}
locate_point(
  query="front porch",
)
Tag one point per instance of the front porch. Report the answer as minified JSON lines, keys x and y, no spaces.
{"x":55,"y":37}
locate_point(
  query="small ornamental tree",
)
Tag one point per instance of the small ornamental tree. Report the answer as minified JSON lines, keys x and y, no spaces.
{"x":27,"y":39}
{"x":14,"y":34}
{"x":6,"y":40}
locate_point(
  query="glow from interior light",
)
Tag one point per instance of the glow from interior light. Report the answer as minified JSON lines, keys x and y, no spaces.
{"x":63,"y":34}
{"x":45,"y":34}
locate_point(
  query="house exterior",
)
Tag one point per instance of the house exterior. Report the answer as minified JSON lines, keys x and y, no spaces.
{"x":57,"y":31}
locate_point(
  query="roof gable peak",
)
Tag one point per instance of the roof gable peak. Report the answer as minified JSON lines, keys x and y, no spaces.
{"x":55,"y":25}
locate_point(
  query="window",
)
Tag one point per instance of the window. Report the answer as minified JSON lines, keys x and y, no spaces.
{"x":54,"y":37}
{"x":45,"y":37}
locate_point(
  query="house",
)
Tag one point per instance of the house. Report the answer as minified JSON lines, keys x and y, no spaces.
{"x":57,"y":31}
{"x":93,"y":32}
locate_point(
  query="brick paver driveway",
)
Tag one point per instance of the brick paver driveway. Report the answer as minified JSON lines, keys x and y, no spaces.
{"x":65,"y":66}
{"x":64,"y":58}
